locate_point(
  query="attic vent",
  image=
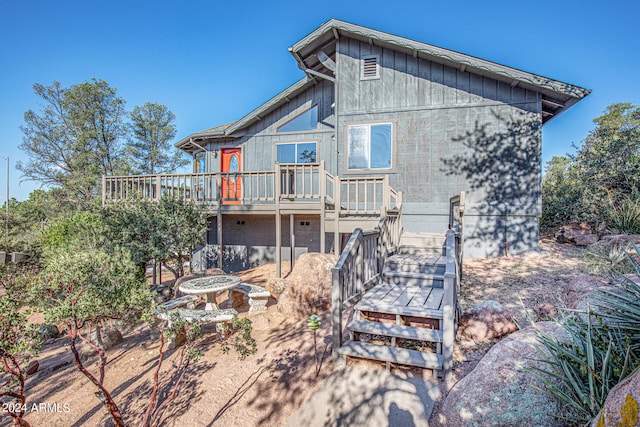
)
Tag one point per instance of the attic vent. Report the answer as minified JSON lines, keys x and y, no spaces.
{"x":370,"y":67}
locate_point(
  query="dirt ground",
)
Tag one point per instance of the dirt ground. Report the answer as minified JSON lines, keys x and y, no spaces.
{"x":266,"y":388}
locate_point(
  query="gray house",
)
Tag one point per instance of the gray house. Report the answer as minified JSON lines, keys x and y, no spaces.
{"x":377,"y":124}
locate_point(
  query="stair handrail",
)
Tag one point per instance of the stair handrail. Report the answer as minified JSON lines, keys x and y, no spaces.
{"x":451,"y":289}
{"x":359,"y":267}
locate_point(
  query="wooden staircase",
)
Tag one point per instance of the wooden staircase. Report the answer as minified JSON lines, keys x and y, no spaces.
{"x":403,"y":289}
{"x":400,"y":319}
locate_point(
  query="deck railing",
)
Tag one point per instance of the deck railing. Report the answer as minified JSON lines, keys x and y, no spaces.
{"x":295,"y":182}
{"x":451,"y":289}
{"x":360,"y":265}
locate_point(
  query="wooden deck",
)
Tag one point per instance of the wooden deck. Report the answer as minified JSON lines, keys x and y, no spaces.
{"x":422,"y":301}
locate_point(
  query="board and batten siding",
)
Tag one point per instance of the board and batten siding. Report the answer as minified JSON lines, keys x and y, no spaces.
{"x":453,"y":131}
{"x":259,"y":142}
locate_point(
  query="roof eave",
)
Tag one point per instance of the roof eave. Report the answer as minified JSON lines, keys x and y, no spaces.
{"x":431,"y":52}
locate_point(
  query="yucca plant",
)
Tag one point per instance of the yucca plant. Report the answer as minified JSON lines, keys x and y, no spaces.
{"x":602,"y":349}
{"x":625,"y":217}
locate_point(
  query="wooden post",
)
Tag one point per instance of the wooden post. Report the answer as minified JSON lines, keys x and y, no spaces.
{"x":155,"y":273}
{"x":336,"y":314}
{"x":386,"y":194}
{"x":104,"y":189}
{"x":336,"y":220}
{"x":219,"y":222}
{"x":322,"y":176}
{"x":448,"y":309}
{"x":278,"y":183}
{"x":292,"y":240}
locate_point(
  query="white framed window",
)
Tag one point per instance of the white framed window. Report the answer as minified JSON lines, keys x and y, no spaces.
{"x":370,"y":67}
{"x":296,"y":152}
{"x":370,"y":146}
{"x":305,"y":121}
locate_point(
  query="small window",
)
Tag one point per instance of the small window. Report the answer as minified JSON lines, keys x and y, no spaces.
{"x":301,"y":152}
{"x":370,"y":67}
{"x":302,"y":122}
{"x":370,"y":146}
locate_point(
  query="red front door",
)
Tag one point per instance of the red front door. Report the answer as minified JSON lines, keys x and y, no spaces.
{"x":231,"y":166}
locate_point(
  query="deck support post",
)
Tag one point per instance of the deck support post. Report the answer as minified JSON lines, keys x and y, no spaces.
{"x":219,"y":223}
{"x":292,"y":240}
{"x":278,"y":183}
{"x":323,"y":201}
{"x":336,"y":212}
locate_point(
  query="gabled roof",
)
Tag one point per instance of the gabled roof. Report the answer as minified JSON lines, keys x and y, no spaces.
{"x":227,"y":130}
{"x":557,"y":95}
{"x":191,"y":142}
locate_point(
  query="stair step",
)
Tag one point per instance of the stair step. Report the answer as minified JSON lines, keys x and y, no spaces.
{"x":421,"y":250}
{"x":418,"y":279}
{"x":402,"y":356}
{"x":398,"y":331}
{"x":402,"y":310}
{"x":428,"y":264}
{"x":422,"y":239}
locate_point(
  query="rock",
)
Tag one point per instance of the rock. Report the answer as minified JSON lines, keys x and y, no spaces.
{"x":110,"y":337}
{"x":568,"y":233}
{"x":48,"y":332}
{"x":622,"y":405}
{"x":486,"y":321}
{"x":621,"y":239}
{"x":546,"y":311}
{"x":309,"y":289}
{"x":276,"y":286}
{"x":586,"y":239}
{"x":32,"y":367}
{"x":499,"y":392}
{"x":581,"y":289}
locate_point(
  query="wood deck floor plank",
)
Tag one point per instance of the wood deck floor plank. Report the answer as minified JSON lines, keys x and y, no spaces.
{"x":377,"y":292}
{"x":407,"y":296}
{"x":398,"y":331}
{"x":392,"y":354}
{"x":421,"y":297}
{"x":435,"y":299}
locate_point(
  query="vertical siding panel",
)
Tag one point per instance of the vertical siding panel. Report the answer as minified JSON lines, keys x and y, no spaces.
{"x":365,"y":94}
{"x":518,"y":94}
{"x":437,"y":82}
{"x":504,"y":92}
{"x":349,"y":79}
{"x":475,"y":88}
{"x":400,"y":75}
{"x":450,"y":85}
{"x":387,"y":80}
{"x":412,"y":82}
{"x":490,"y":89}
{"x":424,"y":82}
{"x":375,"y":87}
{"x":463,"y":95}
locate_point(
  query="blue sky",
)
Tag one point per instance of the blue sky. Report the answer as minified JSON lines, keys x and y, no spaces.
{"x":212,"y":62}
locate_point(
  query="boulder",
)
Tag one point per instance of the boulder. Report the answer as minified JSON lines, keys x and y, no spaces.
{"x":586,"y":239}
{"x":546,"y":311}
{"x":110,"y":337}
{"x":622,"y":405}
{"x":48,"y":332}
{"x":580,"y":290}
{"x":621,"y":239}
{"x":486,"y":321}
{"x":499,"y":391}
{"x":569,"y":233}
{"x":309,"y":288}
